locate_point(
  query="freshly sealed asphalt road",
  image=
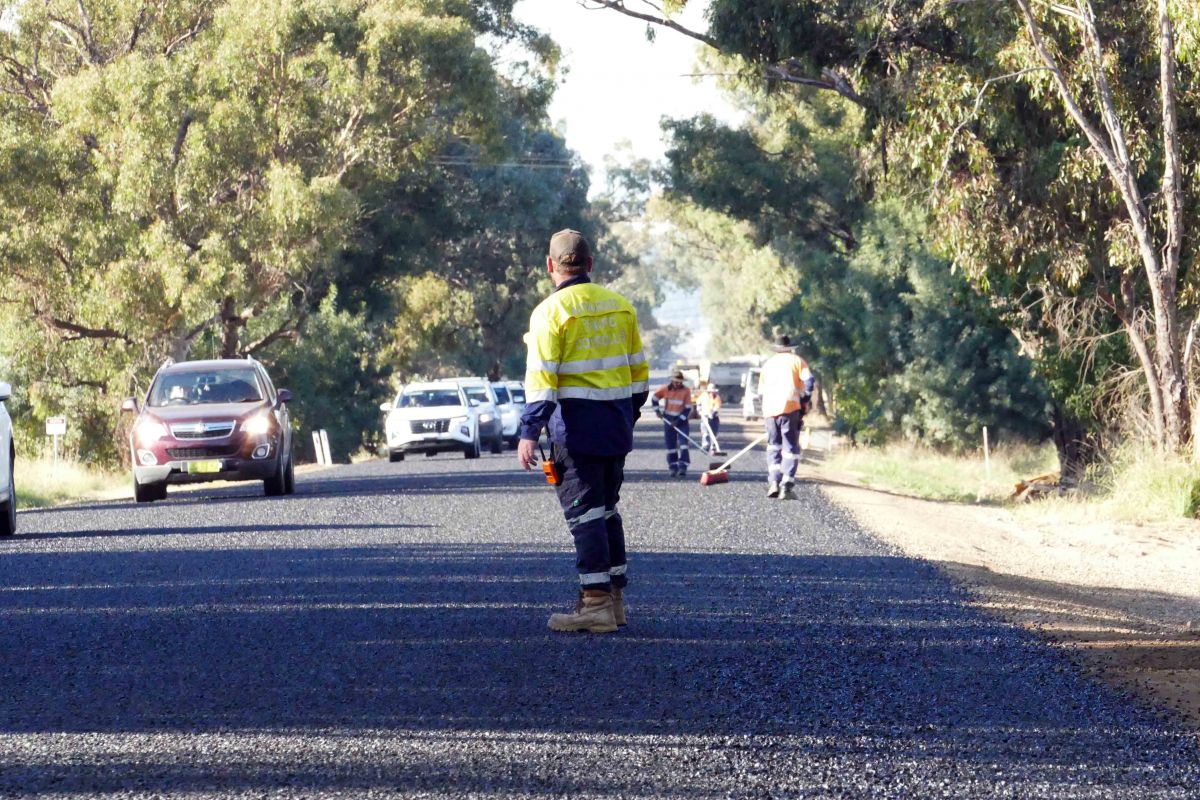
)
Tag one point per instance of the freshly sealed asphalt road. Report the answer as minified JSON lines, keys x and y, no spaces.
{"x":383,"y":633}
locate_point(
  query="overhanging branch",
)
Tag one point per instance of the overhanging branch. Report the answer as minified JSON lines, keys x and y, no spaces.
{"x":620,"y":8}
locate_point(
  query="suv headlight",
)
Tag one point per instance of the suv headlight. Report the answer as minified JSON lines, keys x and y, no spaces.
{"x":150,"y":431}
{"x":258,"y":426}
{"x":485,"y":417}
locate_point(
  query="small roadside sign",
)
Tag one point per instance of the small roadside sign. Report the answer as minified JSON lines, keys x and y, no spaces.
{"x":56,"y":427}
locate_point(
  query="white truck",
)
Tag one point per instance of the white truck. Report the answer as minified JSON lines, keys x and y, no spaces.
{"x":727,"y":374}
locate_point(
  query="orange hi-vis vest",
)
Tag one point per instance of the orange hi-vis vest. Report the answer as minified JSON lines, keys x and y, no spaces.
{"x":708,"y":404}
{"x":674,"y":401}
{"x":783,"y":383}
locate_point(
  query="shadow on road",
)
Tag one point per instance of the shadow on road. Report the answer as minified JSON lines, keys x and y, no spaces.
{"x":836,"y":654}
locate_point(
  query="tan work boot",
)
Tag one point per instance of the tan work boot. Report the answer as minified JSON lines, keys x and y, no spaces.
{"x":593,"y":613}
{"x":618,"y":597}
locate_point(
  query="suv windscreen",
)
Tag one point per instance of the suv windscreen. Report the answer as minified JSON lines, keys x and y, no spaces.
{"x":478,"y":393}
{"x":238,"y":385}
{"x":429,"y":398}
{"x":518,"y":396}
{"x":501,"y":394}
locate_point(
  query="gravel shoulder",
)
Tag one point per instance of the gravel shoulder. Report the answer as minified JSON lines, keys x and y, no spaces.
{"x":1122,"y":600}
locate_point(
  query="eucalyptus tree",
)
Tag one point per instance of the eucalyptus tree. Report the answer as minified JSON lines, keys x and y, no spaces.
{"x":1047,"y":140}
{"x":181,"y":177}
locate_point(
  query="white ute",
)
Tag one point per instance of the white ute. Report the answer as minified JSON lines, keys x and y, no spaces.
{"x":8,"y":491}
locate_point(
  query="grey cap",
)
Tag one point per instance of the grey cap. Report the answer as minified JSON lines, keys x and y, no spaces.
{"x":568,"y":248}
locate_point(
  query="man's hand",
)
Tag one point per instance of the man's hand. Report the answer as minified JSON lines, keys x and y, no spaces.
{"x":526,"y":456}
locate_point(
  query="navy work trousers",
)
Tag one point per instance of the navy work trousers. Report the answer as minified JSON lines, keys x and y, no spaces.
{"x":588,"y":493}
{"x":783,"y":446}
{"x":678,"y":454}
{"x":711,"y":431}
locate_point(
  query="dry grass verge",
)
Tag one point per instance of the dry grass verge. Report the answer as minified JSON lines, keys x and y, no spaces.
{"x":41,"y":483}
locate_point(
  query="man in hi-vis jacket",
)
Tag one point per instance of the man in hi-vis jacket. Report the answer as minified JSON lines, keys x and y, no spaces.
{"x":586,"y":379}
{"x":786,"y":384}
{"x":673,"y":404}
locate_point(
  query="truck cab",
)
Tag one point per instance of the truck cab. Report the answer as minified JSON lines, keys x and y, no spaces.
{"x":751,"y":399}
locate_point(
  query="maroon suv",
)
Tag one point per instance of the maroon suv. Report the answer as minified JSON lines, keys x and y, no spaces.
{"x":211,"y":421}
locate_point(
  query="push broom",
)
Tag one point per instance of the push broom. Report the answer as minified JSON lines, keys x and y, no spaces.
{"x":695,"y":444}
{"x":707,"y":427}
{"x":721,"y":474}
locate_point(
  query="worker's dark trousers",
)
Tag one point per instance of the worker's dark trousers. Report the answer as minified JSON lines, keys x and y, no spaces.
{"x":677,"y":446}
{"x":783,"y":446}
{"x":590,"y":489}
{"x":714,"y":425}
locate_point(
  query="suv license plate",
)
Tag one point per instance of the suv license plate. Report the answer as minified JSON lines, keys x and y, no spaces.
{"x":203,"y":467}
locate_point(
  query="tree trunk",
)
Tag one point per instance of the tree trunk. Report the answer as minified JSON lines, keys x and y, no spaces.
{"x":1075,"y":445}
{"x":231,"y":330}
{"x":1160,"y":260}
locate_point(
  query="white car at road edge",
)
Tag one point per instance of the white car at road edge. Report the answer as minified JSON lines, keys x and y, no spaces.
{"x":8,"y":491}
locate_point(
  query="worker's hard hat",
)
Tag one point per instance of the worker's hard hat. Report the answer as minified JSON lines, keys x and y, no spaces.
{"x":677,"y":375}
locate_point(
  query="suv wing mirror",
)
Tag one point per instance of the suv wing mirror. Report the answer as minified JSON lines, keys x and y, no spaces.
{"x":129,"y":404}
{"x":385,"y":407}
{"x":284,"y":396}
{"x":5,"y":391}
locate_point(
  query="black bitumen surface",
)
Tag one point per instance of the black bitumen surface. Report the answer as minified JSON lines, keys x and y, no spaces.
{"x":383,"y":633}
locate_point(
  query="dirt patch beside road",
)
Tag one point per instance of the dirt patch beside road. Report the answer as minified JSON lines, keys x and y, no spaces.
{"x":1123,"y":599}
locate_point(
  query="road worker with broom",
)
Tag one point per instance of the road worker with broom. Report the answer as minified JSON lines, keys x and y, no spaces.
{"x":786,"y":385}
{"x":673,"y":405}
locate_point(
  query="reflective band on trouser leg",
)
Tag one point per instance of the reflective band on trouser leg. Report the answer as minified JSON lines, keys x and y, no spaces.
{"x":616,"y":546}
{"x":590,"y":515}
{"x":774,"y":466}
{"x":789,"y":466}
{"x":590,"y":530}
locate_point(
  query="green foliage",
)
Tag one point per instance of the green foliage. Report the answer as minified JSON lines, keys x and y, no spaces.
{"x":961,"y":113}
{"x":191,"y":178}
{"x":776,"y":224}
{"x":336,"y":383}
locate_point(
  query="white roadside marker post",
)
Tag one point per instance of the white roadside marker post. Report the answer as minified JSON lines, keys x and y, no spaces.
{"x":320,"y":454}
{"x":55,"y":428}
{"x":987,"y":455}
{"x":325,"y":448}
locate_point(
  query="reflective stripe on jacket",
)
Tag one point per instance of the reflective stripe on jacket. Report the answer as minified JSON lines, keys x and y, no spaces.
{"x":586,"y":374}
{"x":674,"y":401}
{"x":784,"y":382}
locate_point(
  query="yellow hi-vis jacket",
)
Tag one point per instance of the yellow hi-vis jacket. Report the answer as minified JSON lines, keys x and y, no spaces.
{"x":785,"y":380}
{"x":585,"y":356}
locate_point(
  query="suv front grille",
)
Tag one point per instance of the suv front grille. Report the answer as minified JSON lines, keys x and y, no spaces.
{"x":202,"y":430}
{"x":429,"y":425}
{"x":201,"y":452}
